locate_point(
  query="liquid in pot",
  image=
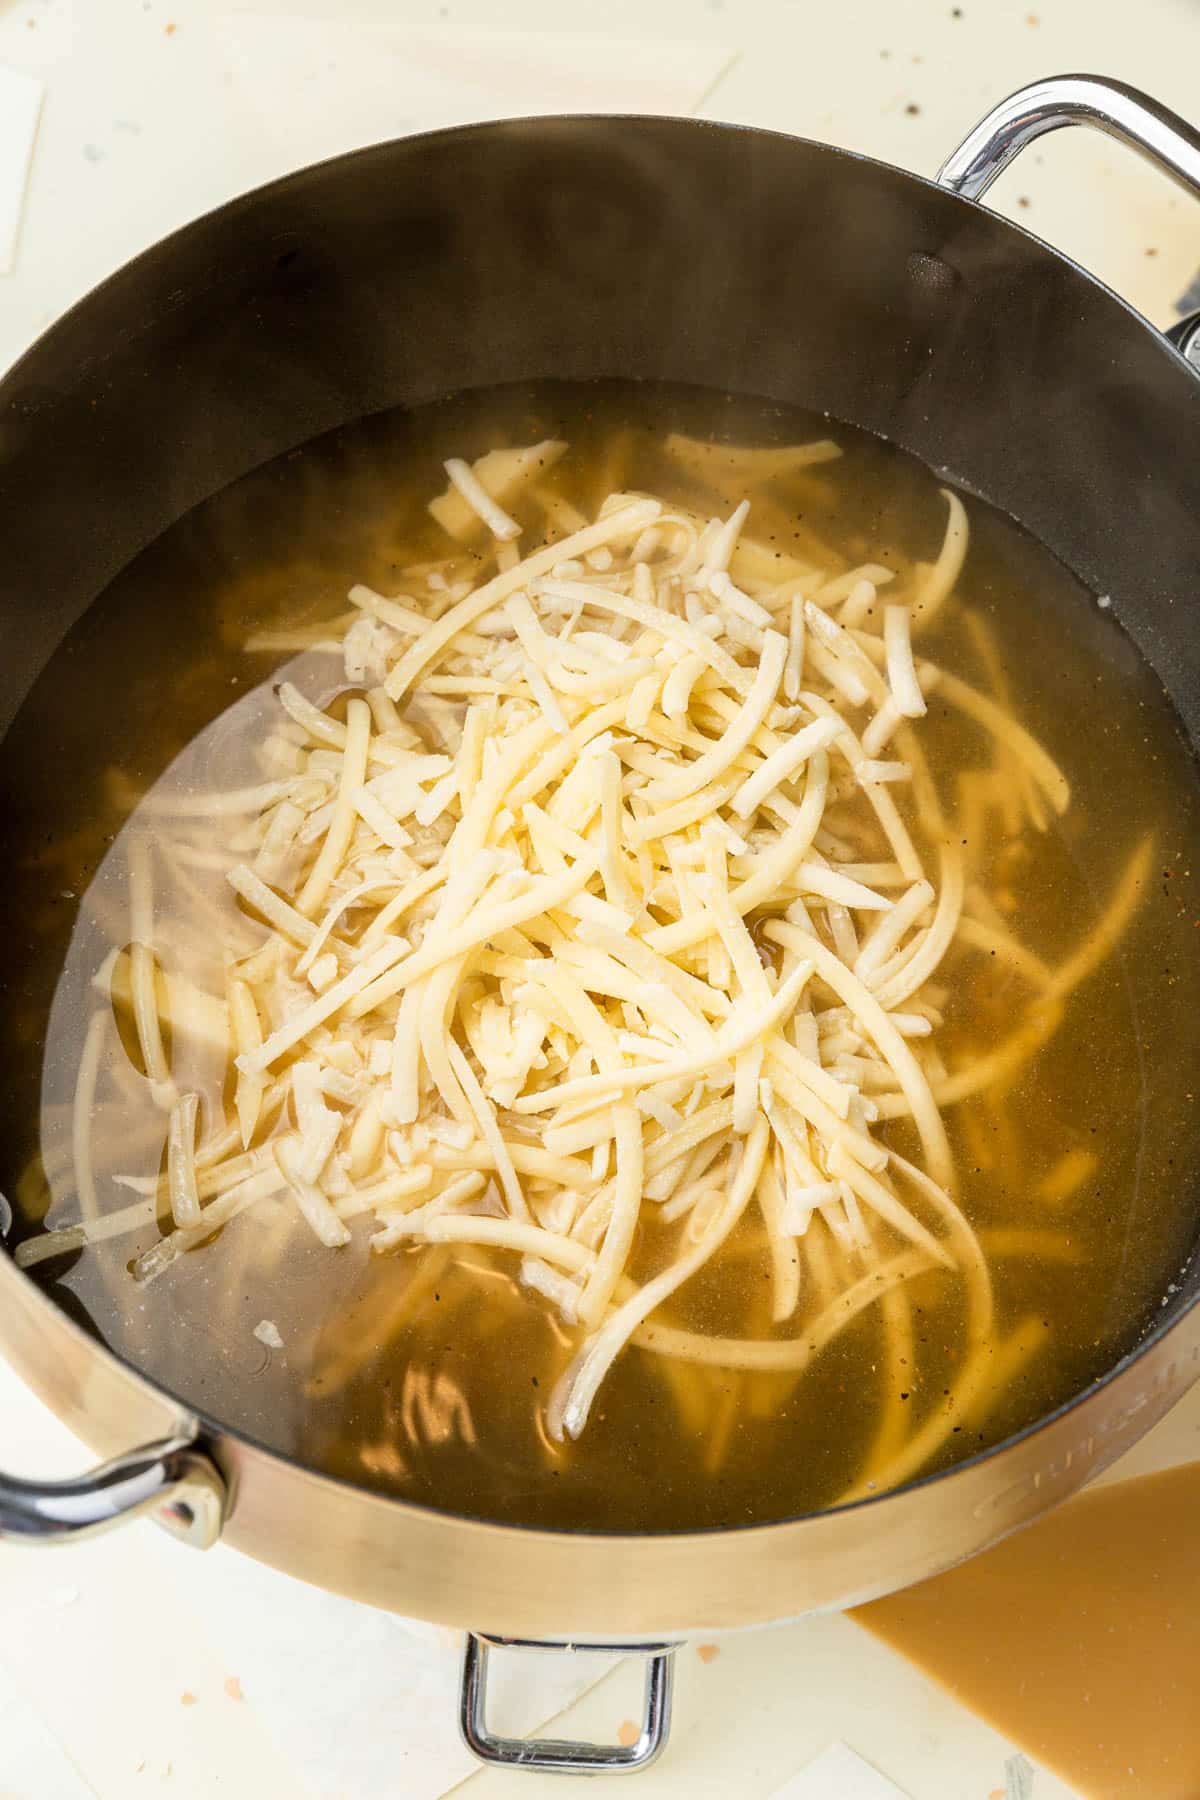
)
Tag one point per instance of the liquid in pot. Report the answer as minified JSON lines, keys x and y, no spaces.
{"x":426,"y":1372}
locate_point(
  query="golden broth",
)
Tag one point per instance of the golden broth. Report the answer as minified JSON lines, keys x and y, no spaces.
{"x":426,"y":1372}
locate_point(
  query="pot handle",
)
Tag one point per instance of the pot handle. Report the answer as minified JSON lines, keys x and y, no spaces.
{"x":560,"y":1756}
{"x":1121,"y":111}
{"x":173,"y":1481}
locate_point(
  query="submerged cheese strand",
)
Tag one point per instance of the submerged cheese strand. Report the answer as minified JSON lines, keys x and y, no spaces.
{"x":143,"y":970}
{"x":940,"y":579}
{"x":571,"y":1401}
{"x":181,"y":1161}
{"x":353,"y":773}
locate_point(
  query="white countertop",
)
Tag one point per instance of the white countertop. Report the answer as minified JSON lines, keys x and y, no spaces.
{"x":130,"y":1666}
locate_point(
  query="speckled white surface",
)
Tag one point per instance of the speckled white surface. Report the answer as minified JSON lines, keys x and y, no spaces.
{"x":838,"y":1771}
{"x":130,"y":1667}
{"x":20,"y":104}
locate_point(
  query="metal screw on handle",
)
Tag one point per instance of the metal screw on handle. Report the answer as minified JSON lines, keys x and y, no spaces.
{"x":557,"y":1755}
{"x":1110,"y":106}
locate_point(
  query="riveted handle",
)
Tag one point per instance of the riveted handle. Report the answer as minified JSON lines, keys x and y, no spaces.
{"x":174,"y":1482}
{"x":1122,"y":112}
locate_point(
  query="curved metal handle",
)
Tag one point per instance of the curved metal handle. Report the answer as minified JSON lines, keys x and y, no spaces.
{"x":1110,"y":106}
{"x":557,"y":1755}
{"x":173,"y":1481}
{"x":1186,"y":338}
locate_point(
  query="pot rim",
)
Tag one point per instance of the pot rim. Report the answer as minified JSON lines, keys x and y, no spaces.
{"x":684,"y":124}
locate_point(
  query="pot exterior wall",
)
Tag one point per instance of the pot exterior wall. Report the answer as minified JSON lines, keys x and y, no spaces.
{"x":525,"y":1583}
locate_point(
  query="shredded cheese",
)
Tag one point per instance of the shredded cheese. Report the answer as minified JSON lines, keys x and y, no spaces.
{"x":901,"y":673}
{"x":596,"y":914}
{"x":181,"y":1161}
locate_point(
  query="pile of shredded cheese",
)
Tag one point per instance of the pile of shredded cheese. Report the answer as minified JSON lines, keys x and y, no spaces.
{"x":614,"y":893}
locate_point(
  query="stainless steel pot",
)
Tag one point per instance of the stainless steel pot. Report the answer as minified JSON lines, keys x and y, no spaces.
{"x":455,"y":260}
